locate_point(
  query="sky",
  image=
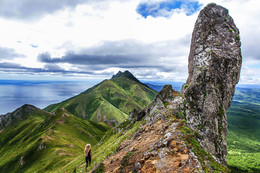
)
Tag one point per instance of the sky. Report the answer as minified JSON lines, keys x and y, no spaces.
{"x":90,"y":39}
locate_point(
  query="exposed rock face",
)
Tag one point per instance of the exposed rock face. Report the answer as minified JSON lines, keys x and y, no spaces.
{"x":164,"y":98}
{"x":214,"y":70}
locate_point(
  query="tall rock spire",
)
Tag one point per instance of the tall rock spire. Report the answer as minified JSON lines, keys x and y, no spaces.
{"x":214,"y":70}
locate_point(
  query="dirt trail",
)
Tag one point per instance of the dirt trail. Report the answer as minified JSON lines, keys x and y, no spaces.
{"x":154,"y":148}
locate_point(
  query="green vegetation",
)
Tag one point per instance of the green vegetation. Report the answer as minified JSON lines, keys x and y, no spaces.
{"x":110,"y":100}
{"x":186,"y":86}
{"x":237,"y":37}
{"x":99,"y":169}
{"x":208,"y":163}
{"x":166,"y":104}
{"x":46,"y":144}
{"x":107,"y":146}
{"x":244,"y":126}
{"x":126,"y":158}
{"x":201,"y":127}
{"x":227,"y":18}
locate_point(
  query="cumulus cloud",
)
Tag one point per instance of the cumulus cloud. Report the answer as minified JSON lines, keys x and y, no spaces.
{"x":7,"y":53}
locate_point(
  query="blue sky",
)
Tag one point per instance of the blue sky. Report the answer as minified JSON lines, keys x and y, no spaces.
{"x":166,"y":8}
{"x":85,"y":39}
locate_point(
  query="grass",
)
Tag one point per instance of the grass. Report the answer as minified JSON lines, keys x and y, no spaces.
{"x":46,"y":142}
{"x":115,"y":98}
{"x":61,"y":143}
{"x":109,"y":144}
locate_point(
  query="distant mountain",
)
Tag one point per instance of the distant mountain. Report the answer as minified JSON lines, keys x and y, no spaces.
{"x":40,"y":141}
{"x":109,"y":101}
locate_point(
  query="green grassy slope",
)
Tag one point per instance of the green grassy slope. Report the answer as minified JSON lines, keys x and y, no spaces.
{"x":244,"y":131}
{"x":107,"y":146}
{"x":46,"y":142}
{"x":111,"y":99}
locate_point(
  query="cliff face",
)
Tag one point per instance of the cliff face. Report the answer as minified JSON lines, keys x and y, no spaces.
{"x":214,"y":69}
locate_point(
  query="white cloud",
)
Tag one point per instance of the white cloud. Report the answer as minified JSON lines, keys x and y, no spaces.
{"x":89,"y":25}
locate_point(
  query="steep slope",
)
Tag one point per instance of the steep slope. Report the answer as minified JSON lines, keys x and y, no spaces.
{"x":186,"y":131}
{"x":110,"y":101}
{"x":161,"y":142}
{"x":45,"y":142}
{"x":243,"y":139}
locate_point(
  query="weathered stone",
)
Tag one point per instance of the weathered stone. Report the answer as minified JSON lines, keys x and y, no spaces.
{"x":151,"y":112}
{"x":214,"y":70}
{"x":136,"y":167}
{"x":166,"y":94}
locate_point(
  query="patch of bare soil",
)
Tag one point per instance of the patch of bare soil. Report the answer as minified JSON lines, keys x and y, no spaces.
{"x":154,"y":148}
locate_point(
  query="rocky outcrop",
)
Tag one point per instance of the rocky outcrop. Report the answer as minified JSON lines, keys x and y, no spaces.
{"x":186,"y":131}
{"x":214,"y":70}
{"x":162,"y":100}
{"x":157,"y":147}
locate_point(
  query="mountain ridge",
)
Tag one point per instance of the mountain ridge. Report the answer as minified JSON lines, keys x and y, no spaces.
{"x":109,"y":101}
{"x":197,"y":115}
{"x":177,"y":132}
{"x":43,"y":140}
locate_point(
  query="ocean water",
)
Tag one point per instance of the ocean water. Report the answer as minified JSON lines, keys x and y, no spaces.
{"x":15,"y":93}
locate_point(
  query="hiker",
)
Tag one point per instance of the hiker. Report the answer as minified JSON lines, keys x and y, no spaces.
{"x":88,"y":154}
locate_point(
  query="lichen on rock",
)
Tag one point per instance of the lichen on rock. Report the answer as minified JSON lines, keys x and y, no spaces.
{"x":214,"y":69}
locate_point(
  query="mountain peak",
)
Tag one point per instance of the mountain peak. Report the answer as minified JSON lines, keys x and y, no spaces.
{"x":119,"y":73}
{"x":125,"y":74}
{"x":28,"y":106}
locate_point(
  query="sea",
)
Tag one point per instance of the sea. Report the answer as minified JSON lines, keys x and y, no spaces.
{"x":15,"y":93}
